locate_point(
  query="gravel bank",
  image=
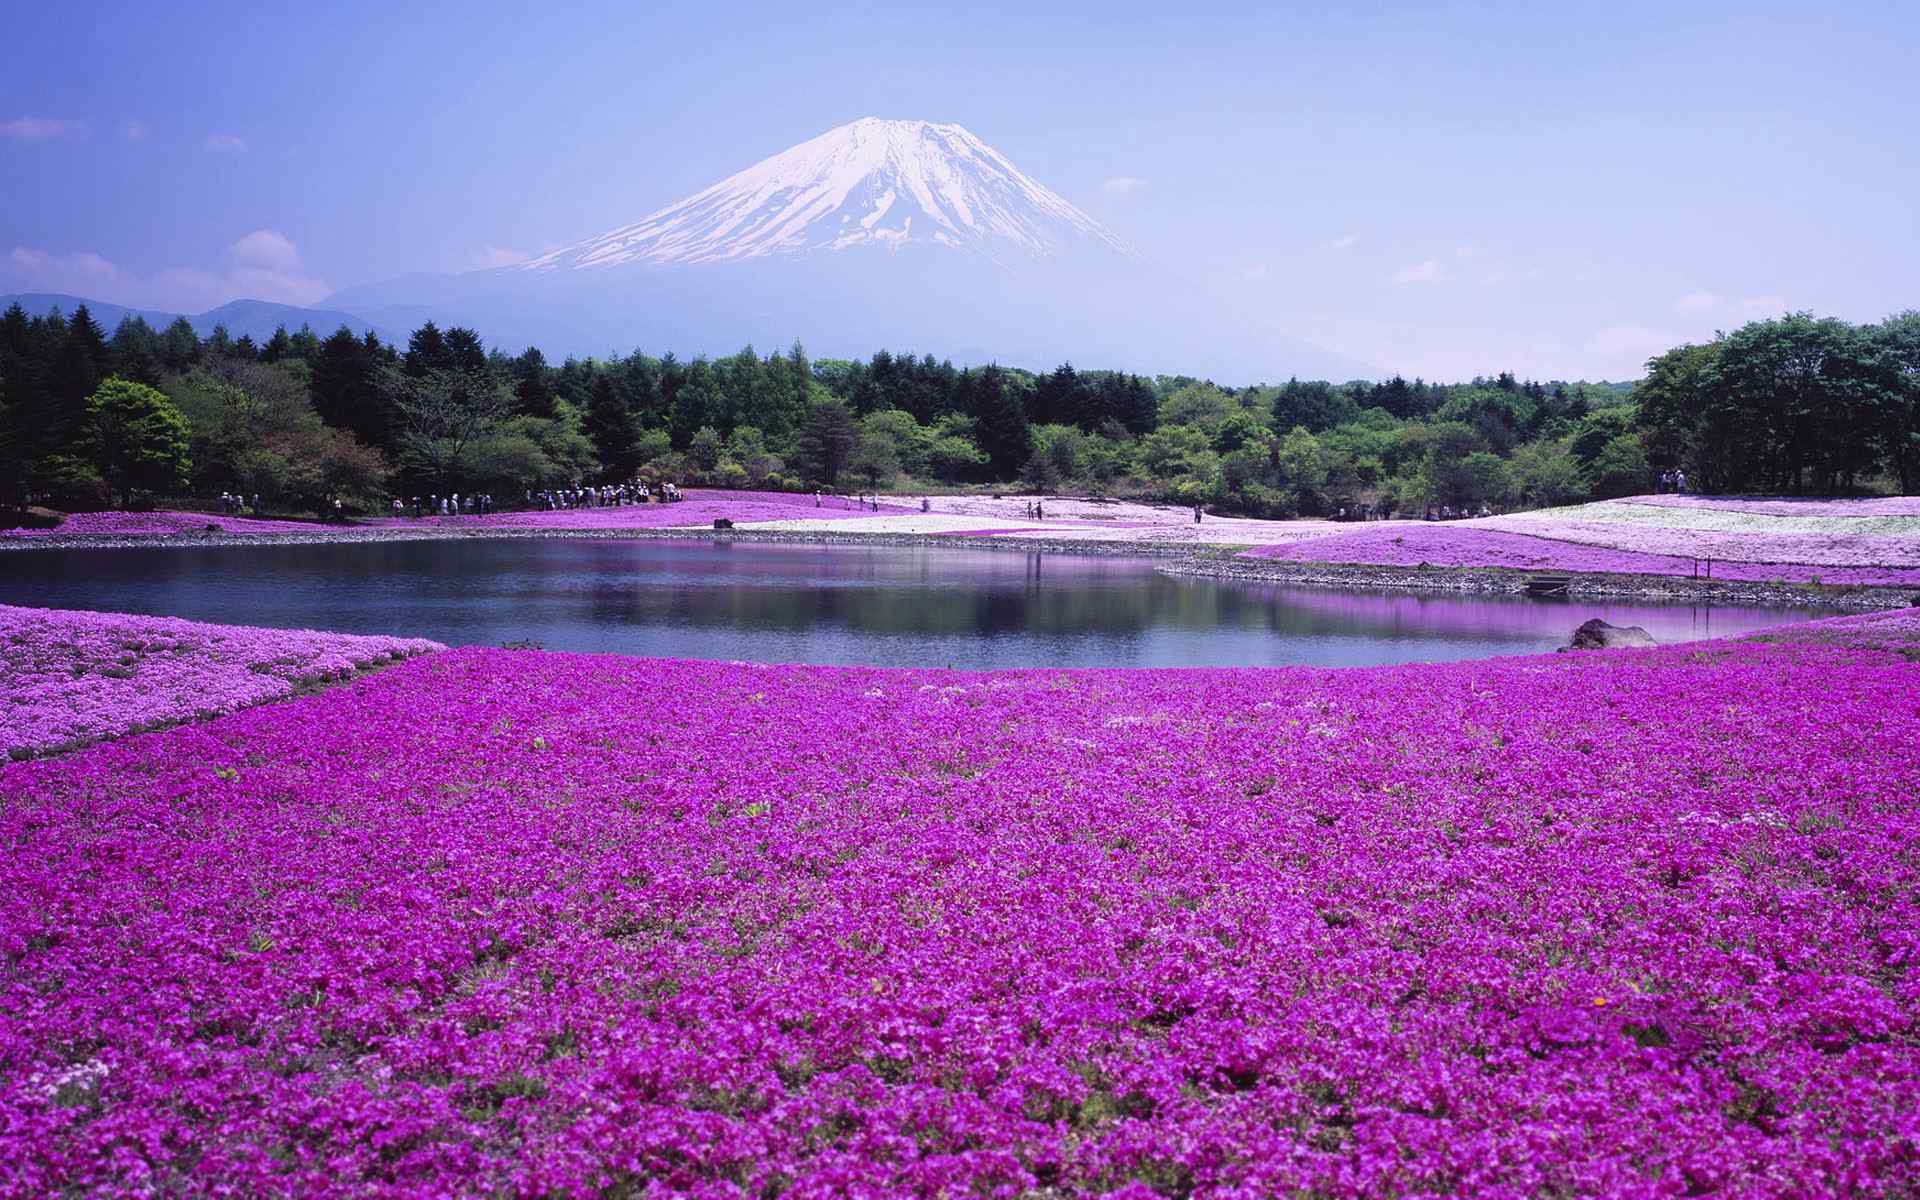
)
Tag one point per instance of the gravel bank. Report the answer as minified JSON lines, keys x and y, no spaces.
{"x":1489,"y":582}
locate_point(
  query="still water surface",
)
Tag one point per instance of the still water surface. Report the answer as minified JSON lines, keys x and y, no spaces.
{"x":880,"y":605}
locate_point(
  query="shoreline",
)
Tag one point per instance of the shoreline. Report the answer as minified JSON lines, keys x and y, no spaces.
{"x":1181,"y":560}
{"x":1494,"y":581}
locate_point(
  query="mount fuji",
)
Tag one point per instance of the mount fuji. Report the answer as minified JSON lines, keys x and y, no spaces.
{"x":872,"y":183}
{"x":906,"y":235}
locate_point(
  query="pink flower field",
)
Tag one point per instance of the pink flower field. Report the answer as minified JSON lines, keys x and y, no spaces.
{"x":1473,"y":545}
{"x":1793,"y":506}
{"x":71,"y":677}
{"x":1854,"y":551}
{"x":509,"y":923}
{"x":698,"y":509}
{"x":161,"y":524}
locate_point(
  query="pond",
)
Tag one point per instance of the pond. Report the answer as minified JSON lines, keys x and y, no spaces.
{"x":878,"y":605}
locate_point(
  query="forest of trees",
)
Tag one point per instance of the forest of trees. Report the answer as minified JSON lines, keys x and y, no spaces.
{"x":146,"y":415}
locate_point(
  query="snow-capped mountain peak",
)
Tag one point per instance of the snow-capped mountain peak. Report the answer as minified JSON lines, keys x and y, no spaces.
{"x":870,"y":183}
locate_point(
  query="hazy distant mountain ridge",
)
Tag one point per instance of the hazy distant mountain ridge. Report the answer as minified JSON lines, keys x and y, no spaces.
{"x":256,"y":319}
{"x":869,"y":183}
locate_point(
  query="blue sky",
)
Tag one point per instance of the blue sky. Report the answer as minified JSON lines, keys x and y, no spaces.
{"x":1443,"y":189}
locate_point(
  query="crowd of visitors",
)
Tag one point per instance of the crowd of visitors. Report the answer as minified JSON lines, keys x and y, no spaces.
{"x":1447,"y":512}
{"x":548,"y":500}
{"x":1674,"y":480}
{"x":456,"y":505}
{"x":613,"y":496}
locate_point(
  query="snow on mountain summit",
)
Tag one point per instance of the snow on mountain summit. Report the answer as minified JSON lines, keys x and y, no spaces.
{"x":870,"y":183}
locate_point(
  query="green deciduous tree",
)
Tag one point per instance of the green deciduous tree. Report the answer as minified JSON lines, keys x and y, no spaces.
{"x":1898,"y":344}
{"x":443,"y":415}
{"x":875,"y":456}
{"x":1545,"y":473}
{"x":705,"y":448}
{"x":136,"y":438}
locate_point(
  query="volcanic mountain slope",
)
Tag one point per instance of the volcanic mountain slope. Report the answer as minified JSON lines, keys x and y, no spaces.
{"x":867,"y":183}
{"x":905,"y":235}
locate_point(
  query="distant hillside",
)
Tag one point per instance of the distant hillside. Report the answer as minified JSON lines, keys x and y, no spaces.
{"x":38,"y":304}
{"x":256,"y":319}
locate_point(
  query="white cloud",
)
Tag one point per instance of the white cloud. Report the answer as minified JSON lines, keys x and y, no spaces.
{"x":1426,"y":272}
{"x":1255,"y":272}
{"x":59,"y":272}
{"x":1345,"y":241}
{"x":1121,"y":185}
{"x":39,"y":129}
{"x":490,"y":256}
{"x":1697,"y":302}
{"x":133,"y":131}
{"x":263,"y":265}
{"x":1766,"y":306}
{"x":1468,"y":253}
{"x":225,"y":143}
{"x":267,"y":249}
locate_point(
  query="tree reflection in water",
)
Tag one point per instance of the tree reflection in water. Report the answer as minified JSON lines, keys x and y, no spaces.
{"x":884,"y":605}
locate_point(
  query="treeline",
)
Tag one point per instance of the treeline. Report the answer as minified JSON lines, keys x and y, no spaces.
{"x":1795,"y":405}
{"x":89,"y":419}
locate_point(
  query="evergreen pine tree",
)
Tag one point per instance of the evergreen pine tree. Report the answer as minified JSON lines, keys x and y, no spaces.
{"x":464,"y":350}
{"x":179,"y":346}
{"x":532,"y":390}
{"x":304,"y":343}
{"x":345,"y":387}
{"x":826,"y":440}
{"x":76,"y":371}
{"x":1001,"y":422}
{"x":613,"y":431}
{"x":1056,"y":400}
{"x":426,"y":351}
{"x":697,"y":402}
{"x":134,"y":352}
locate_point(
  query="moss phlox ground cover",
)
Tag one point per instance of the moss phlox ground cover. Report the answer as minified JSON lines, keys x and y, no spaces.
{"x":1473,"y":545}
{"x":69,"y":677}
{"x":520,"y":924}
{"x":699,"y":508}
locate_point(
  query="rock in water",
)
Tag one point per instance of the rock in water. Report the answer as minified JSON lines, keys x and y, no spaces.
{"x":1598,"y":635}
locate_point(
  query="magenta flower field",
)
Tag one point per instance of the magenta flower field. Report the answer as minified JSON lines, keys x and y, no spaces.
{"x":509,"y":923}
{"x":69,"y":677}
{"x":699,"y":508}
{"x":1793,"y":506}
{"x":1851,"y":551}
{"x":1448,"y":544}
{"x":161,"y":524}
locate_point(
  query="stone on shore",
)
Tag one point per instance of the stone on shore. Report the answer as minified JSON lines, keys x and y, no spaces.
{"x":1599,"y":635}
